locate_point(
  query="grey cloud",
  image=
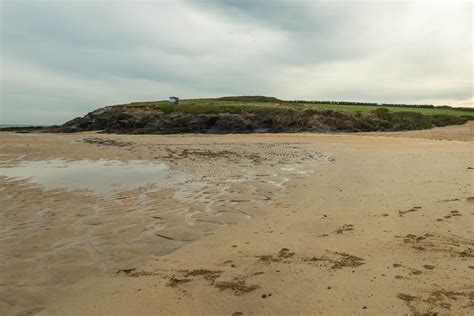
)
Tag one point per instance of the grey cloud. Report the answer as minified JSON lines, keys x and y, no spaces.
{"x":64,"y":58}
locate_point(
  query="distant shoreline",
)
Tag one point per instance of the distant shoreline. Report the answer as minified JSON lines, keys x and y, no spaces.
{"x":20,"y":125}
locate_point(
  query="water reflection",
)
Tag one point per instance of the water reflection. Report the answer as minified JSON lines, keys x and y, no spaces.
{"x":103,"y":176}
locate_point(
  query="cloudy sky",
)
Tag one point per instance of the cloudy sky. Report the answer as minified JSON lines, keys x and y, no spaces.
{"x":61,"y":59}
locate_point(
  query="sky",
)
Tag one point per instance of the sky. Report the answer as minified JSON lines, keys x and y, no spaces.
{"x":62,"y":59}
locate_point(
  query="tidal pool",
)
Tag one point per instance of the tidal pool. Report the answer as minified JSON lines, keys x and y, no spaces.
{"x":103,"y":176}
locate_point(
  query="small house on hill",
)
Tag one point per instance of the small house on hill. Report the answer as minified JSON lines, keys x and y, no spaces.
{"x":174,"y":100}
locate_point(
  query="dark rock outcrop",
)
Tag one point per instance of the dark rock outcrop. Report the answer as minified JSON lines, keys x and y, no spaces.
{"x":153,"y":120}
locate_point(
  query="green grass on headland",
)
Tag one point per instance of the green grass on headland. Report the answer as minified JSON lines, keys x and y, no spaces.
{"x":366,"y":108}
{"x":260,"y":104}
{"x":262,"y":114}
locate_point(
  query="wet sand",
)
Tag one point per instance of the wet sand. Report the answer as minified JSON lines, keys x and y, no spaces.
{"x":247,"y":225}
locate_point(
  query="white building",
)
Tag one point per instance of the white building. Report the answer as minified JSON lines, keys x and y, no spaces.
{"x":174,"y":100}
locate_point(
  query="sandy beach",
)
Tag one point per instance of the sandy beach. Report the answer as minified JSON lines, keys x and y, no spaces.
{"x":251,"y":224}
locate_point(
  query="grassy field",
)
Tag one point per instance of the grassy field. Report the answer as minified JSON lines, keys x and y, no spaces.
{"x":365,"y":108}
{"x":272,"y":105}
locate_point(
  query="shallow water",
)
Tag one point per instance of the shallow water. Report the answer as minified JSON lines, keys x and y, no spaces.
{"x":101,"y":176}
{"x":61,"y":220}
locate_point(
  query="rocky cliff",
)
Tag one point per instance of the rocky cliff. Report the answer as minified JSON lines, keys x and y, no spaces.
{"x":151,"y":119}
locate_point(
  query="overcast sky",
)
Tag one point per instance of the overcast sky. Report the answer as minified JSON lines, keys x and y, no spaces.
{"x":62,"y":59}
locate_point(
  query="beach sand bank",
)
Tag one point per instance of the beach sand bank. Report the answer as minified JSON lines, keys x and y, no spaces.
{"x":257,"y":224}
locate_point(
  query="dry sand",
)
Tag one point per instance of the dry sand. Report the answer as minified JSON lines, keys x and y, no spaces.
{"x":281,"y":224}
